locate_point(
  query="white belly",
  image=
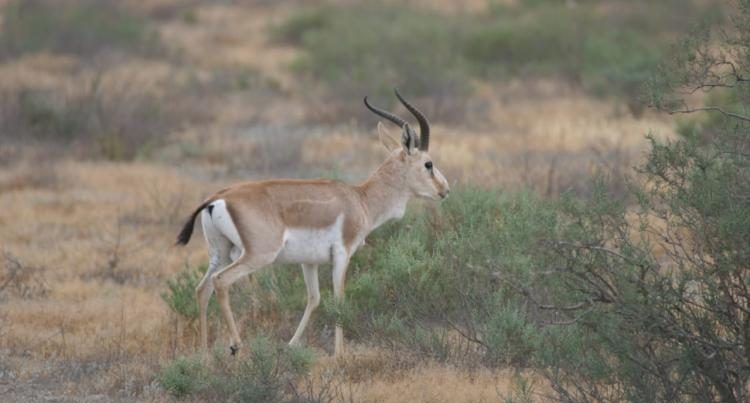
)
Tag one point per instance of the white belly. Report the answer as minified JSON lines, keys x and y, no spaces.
{"x":311,"y":245}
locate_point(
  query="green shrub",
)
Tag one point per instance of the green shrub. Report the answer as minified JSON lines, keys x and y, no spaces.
{"x":369,"y":48}
{"x":657,"y":290}
{"x":270,"y":370}
{"x":181,"y":294}
{"x":267,"y":373}
{"x":608,"y":58}
{"x":545,"y":40}
{"x":41,"y":112}
{"x":618,"y":62}
{"x":81,"y":27}
{"x":438,"y":270}
{"x":184,"y":376}
{"x":293,"y":30}
{"x":511,"y":337}
{"x":119,"y":124}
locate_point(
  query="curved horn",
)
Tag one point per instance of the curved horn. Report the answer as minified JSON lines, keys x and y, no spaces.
{"x":424,"y":125}
{"x":393,"y":118}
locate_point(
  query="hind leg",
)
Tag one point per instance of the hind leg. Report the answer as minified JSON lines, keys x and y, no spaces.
{"x":235,"y":254}
{"x":219,"y":248}
{"x":245,"y":265}
{"x":262,"y":239}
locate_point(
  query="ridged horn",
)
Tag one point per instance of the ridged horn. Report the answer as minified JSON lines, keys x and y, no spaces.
{"x":393,"y":118}
{"x":424,"y":125}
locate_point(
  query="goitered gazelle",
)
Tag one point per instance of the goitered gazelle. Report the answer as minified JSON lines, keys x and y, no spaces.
{"x":251,"y":225}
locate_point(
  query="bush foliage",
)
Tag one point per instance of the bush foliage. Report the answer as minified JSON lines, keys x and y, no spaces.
{"x":267,"y":374}
{"x":82,"y":27}
{"x":180,"y":297}
{"x":117,"y":124}
{"x":368,"y":48}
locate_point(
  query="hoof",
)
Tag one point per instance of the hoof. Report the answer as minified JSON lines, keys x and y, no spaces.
{"x":233,"y":350}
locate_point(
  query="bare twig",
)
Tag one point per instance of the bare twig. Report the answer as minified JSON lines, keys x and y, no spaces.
{"x":569,"y":321}
{"x":464,"y":334}
{"x":573,"y":307}
{"x":600,"y":249}
{"x":711,"y":109}
{"x":27,"y":280}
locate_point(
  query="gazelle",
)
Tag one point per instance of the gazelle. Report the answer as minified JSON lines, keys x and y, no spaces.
{"x":310,"y":222}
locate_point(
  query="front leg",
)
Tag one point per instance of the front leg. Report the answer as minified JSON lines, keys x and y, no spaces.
{"x":340,"y":260}
{"x":310,"y":272}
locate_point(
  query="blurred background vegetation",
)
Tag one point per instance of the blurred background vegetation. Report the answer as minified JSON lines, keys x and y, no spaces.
{"x":440,"y":55}
{"x":596,"y":245}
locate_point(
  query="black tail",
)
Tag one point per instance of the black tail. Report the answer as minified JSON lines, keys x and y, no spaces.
{"x":187,"y":230}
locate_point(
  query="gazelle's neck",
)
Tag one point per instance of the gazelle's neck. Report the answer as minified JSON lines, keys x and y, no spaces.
{"x":385,"y":194}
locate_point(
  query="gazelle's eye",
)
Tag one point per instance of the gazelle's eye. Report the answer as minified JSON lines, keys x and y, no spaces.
{"x":428,"y":165}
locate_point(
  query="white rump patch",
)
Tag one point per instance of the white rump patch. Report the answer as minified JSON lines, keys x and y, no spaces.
{"x":311,"y":245}
{"x":220,"y":223}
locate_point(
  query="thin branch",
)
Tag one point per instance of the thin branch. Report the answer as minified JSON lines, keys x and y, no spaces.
{"x":711,"y":109}
{"x":605,"y":250}
{"x":707,"y":87}
{"x":735,"y":73}
{"x":573,"y":307}
{"x":465,"y":335}
{"x":570,"y":321}
{"x":527,"y":293}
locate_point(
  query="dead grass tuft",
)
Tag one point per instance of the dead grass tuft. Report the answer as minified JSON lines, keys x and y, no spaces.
{"x":376,"y":375}
{"x":22,"y":281}
{"x":29,"y":174}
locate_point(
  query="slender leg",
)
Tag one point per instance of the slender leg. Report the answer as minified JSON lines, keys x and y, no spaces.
{"x":245,"y":265}
{"x":235,"y":254}
{"x":313,"y":299}
{"x":251,"y":285}
{"x":203,"y":294}
{"x":219,"y":248}
{"x":340,"y":263}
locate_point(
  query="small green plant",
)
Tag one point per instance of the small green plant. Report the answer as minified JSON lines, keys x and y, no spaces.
{"x":180,"y":296}
{"x":267,"y":373}
{"x":184,"y":376}
{"x":522,"y":390}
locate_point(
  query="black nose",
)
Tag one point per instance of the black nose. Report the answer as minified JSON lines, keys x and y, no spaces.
{"x":444,"y":193}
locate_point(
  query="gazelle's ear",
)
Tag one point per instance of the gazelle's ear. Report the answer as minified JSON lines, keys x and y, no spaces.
{"x":386,"y":139}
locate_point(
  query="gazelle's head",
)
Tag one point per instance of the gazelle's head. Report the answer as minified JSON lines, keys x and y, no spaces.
{"x":410,"y":156}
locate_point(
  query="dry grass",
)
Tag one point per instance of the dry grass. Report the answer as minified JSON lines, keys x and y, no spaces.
{"x":101,"y":241}
{"x":376,"y":375}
